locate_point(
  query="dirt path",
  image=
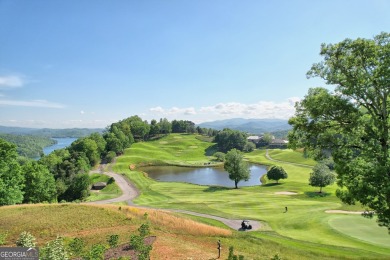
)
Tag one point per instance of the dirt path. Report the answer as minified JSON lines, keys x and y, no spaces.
{"x":130,"y":192}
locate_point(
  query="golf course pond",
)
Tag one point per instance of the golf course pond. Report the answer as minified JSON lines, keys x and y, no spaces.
{"x":203,"y":176}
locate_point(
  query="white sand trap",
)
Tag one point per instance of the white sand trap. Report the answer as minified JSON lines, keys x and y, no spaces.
{"x":343,"y":212}
{"x":286,"y":193}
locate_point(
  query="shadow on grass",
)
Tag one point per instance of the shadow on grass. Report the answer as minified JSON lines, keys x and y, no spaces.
{"x":211,"y":150}
{"x":316,"y":194}
{"x":272,"y":184}
{"x":216,"y":188}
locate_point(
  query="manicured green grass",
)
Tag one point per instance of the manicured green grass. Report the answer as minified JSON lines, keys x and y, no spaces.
{"x":361,"y":228}
{"x":304,"y":227}
{"x":288,"y":155}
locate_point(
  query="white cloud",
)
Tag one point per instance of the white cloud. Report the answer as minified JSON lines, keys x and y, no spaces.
{"x":157,"y":110}
{"x":82,"y":112}
{"x":11,"y":81}
{"x":261,"y":109}
{"x":173,"y":111}
{"x":31,"y":103}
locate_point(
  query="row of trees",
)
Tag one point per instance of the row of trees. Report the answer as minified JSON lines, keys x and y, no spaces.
{"x":63,"y":174}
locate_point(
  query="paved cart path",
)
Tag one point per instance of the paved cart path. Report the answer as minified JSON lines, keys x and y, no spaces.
{"x":130,"y":192}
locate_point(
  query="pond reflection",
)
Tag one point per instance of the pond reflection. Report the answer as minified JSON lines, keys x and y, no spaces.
{"x":203,"y":176}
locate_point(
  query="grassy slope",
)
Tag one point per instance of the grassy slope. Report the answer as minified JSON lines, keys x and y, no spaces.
{"x":304,"y":226}
{"x":94,"y":223}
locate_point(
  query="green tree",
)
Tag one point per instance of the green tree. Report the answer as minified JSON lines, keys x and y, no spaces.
{"x":39,"y":184}
{"x":78,"y":188}
{"x":220,"y":156}
{"x":321,"y":176}
{"x":228,"y":139}
{"x":154,"y":128}
{"x":11,"y":178}
{"x":236,"y":167}
{"x":165,"y":126}
{"x":249,"y":147}
{"x":88,"y":147}
{"x":276,"y":173}
{"x":352,"y":122}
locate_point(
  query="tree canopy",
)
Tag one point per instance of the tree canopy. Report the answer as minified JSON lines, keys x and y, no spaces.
{"x":276,"y":173}
{"x":11,"y":178}
{"x":321,"y":176}
{"x":228,"y":139}
{"x":236,"y":167}
{"x":352,"y":122}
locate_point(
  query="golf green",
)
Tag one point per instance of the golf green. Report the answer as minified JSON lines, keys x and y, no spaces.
{"x":361,"y":228}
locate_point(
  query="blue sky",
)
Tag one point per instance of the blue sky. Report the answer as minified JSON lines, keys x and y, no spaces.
{"x":91,"y":63}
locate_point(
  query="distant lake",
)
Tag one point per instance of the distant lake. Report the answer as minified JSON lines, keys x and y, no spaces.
{"x":61,"y":143}
{"x":203,"y":176}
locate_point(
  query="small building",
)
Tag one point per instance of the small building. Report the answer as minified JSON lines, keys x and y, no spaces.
{"x":254,"y":139}
{"x":278,"y":143}
{"x":99,"y":186}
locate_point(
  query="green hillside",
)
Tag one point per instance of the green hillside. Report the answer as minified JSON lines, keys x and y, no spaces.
{"x":305,"y":225}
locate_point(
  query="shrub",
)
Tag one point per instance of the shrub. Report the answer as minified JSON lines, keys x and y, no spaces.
{"x":25,"y":240}
{"x":96,"y":253}
{"x":220,"y":156}
{"x":144,"y":230}
{"x":76,"y":246}
{"x":54,"y":250}
{"x":137,"y":243}
{"x":3,"y":237}
{"x":113,"y":240}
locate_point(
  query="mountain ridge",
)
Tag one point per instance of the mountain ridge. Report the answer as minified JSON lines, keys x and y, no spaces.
{"x":253,"y":126}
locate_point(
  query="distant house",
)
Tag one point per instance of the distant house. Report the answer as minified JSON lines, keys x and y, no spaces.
{"x":278,"y":143}
{"x":254,"y":139}
{"x":99,"y":186}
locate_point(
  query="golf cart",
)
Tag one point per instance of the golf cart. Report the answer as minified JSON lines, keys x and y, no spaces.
{"x":245,"y":225}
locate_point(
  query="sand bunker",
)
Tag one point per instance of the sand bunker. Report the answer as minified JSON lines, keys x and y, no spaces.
{"x":286,"y":193}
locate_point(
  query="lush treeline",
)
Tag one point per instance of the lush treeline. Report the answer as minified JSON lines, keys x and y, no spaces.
{"x":63,"y":174}
{"x":30,"y":146}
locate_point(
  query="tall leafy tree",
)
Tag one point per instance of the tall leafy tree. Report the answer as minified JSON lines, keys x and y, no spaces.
{"x":39,"y":185}
{"x":165,"y":126}
{"x":11,"y":178}
{"x":228,"y":139}
{"x":154,"y":128}
{"x":352,"y":122}
{"x":237,"y":168}
{"x":321,"y":176}
{"x":276,"y":173}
